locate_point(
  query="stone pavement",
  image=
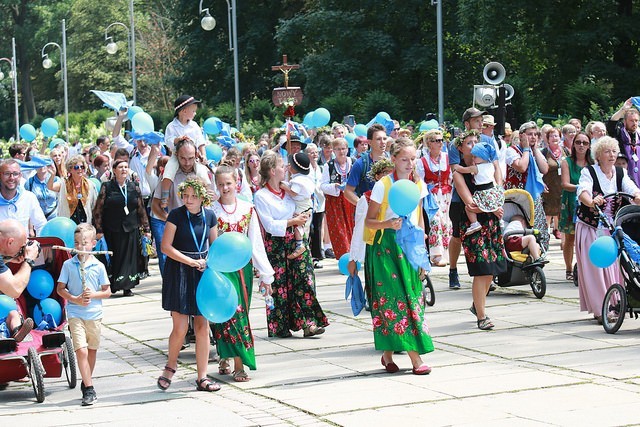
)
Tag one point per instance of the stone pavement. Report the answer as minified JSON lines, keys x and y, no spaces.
{"x":546,"y":363}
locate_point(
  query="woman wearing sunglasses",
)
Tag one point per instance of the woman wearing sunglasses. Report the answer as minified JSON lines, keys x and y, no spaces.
{"x":78,"y":195}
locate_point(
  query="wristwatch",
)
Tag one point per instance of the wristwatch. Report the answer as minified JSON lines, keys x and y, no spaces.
{"x":31,"y":262}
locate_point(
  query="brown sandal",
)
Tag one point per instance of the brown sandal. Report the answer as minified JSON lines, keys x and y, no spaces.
{"x":164,"y":379}
{"x":297,"y":252}
{"x":223,"y":367}
{"x":205,"y":384}
{"x":240,"y":376}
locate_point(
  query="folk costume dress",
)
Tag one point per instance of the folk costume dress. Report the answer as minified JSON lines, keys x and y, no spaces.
{"x":180,"y":281}
{"x":437,"y":173}
{"x":295,"y":303}
{"x":339,"y":212}
{"x":397,"y":305}
{"x":234,"y":337}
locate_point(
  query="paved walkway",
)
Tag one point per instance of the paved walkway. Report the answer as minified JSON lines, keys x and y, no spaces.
{"x":544,"y":364}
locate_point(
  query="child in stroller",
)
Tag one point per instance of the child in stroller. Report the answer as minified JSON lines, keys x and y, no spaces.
{"x":516,"y":238}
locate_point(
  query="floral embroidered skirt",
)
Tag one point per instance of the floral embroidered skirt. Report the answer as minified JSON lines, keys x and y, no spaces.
{"x":397,"y":305}
{"x":234,"y":337}
{"x":294,"y":298}
{"x":484,"y":249}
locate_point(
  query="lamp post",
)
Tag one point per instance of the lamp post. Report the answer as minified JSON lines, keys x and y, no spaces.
{"x":208,"y":23}
{"x":47,"y":63}
{"x":438,"y":4}
{"x":112,"y":48}
{"x":14,"y":83}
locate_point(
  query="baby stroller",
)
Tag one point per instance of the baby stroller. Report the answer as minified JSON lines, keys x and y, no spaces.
{"x":621,"y":299}
{"x":43,"y":353}
{"x":521,"y":270}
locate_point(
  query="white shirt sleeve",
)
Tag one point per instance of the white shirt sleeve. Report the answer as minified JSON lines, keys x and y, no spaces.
{"x":259,"y":254}
{"x":585,"y":183}
{"x":326,"y":186}
{"x":511,"y":156}
{"x":266,"y":209}
{"x":628,"y":186}
{"x":121,"y":142}
{"x":358,"y":245}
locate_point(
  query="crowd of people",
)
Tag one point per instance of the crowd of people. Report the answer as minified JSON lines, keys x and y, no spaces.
{"x":303,"y":197}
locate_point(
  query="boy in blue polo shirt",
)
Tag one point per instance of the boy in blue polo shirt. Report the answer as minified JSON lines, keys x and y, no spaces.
{"x":84,"y":311}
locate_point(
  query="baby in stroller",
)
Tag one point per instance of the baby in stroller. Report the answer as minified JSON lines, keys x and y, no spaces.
{"x":516,"y":238}
{"x":14,"y":327}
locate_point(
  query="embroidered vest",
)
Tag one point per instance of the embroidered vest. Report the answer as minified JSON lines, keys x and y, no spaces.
{"x":440,"y":179}
{"x":514,"y":178}
{"x":589,"y":215}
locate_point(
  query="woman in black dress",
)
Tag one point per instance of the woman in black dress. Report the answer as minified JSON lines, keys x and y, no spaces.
{"x":189,"y":231}
{"x":119,"y":214}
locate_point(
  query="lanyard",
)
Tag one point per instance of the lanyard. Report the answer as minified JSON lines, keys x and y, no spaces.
{"x":193,"y":232}
{"x":123,"y":190}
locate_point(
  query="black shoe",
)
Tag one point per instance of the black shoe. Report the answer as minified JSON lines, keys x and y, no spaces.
{"x":127,"y":293}
{"x":82,"y":387}
{"x":454,"y":282}
{"x":89,"y":397}
{"x":328,"y":253}
{"x":317,"y":265}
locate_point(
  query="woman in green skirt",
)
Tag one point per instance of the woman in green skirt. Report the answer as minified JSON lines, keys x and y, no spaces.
{"x":234,"y":337}
{"x":397,"y":306}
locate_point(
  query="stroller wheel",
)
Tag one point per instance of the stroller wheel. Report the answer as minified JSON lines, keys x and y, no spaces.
{"x":69,"y":363}
{"x":427,"y":291}
{"x":538,"y":282}
{"x":36,"y":373}
{"x":575,"y":274}
{"x":614,"y":308}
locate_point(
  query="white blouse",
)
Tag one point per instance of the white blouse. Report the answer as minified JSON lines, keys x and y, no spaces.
{"x":273,"y":211}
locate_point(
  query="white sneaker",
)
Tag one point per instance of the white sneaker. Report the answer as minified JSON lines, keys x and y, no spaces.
{"x":473,"y":228}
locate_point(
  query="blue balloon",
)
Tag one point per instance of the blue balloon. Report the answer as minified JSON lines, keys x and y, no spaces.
{"x":7,"y":304}
{"x":27,"y":132}
{"x":343,"y":265}
{"x":428,"y":125}
{"x":360,"y":130}
{"x":350,"y":137}
{"x":404,"y":197}
{"x":96,"y":182}
{"x":62,"y":228}
{"x":229,"y":252}
{"x":212,"y":126}
{"x":216,"y":297}
{"x":214,"y":152}
{"x":55,"y":142}
{"x":49,"y":127}
{"x":308,"y":119}
{"x":40,"y":284}
{"x":382,"y":117}
{"x":132,"y":111}
{"x":603,"y":251}
{"x":47,"y":306}
{"x":142,"y":122}
{"x":321,"y":117}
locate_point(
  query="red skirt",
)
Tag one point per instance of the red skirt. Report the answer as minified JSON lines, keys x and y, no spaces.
{"x":340,"y":217}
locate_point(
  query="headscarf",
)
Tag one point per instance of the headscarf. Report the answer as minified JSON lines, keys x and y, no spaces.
{"x":72,"y":195}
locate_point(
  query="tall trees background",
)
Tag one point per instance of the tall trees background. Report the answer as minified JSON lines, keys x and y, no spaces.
{"x":569,"y":57}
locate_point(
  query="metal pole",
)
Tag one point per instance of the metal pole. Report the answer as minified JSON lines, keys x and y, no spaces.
{"x":64,"y":76}
{"x":440,"y":62}
{"x":133,"y":52}
{"x":15,"y":86}
{"x":235,"y":62}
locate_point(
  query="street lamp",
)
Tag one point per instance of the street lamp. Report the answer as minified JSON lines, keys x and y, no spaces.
{"x":208,"y":23}
{"x":14,"y":82}
{"x":112,"y":48}
{"x":47,"y":63}
{"x":438,"y":4}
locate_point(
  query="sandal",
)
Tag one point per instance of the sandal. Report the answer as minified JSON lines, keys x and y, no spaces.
{"x":240,"y":376}
{"x":297,"y":252}
{"x":223,"y":367}
{"x":205,"y":384}
{"x":485,"y":324}
{"x":313,"y":330}
{"x":163,"y":379}
{"x":569,"y":275}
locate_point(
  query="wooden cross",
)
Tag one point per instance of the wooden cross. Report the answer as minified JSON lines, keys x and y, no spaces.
{"x":285,"y":68}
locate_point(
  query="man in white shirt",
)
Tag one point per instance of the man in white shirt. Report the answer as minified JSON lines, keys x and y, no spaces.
{"x":17,"y":203}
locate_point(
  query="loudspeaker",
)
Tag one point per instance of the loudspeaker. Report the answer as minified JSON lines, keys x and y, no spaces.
{"x":510,"y":91}
{"x":494,"y":73}
{"x":484,"y":95}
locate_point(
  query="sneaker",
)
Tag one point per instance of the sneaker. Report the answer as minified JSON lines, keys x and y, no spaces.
{"x":454,"y":282}
{"x":328,"y":253}
{"x":473,"y":228}
{"x":89,"y":397}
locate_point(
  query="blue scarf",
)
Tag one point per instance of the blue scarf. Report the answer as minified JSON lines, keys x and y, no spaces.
{"x":411,"y":240}
{"x":12,"y":202}
{"x":534,"y":184}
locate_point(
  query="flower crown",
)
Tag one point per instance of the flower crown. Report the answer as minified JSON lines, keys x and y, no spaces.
{"x":199,"y":188}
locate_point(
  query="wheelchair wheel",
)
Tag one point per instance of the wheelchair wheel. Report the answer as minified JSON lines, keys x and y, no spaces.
{"x":428,"y":293}
{"x":575,"y":275}
{"x":614,"y":308}
{"x":538,"y":282}
{"x":36,"y":373}
{"x":69,"y":363}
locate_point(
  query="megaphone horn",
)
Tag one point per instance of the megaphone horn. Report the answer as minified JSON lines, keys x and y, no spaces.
{"x":509,"y":92}
{"x":494,"y":73}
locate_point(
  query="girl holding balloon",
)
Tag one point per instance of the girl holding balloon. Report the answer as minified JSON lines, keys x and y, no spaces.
{"x":596,"y":181}
{"x":189,"y":231}
{"x":295,"y":304}
{"x":234,"y":337}
{"x":396,"y":290}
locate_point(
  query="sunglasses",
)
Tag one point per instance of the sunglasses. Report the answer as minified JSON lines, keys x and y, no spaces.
{"x":78,"y":167}
{"x":440,"y":141}
{"x":585,"y":143}
{"x":254,"y":161}
{"x":396,"y":129}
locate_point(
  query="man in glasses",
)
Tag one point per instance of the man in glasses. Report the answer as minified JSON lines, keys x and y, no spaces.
{"x":16,"y":202}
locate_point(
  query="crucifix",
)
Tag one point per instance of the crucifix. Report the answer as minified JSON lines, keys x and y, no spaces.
{"x":285,"y":68}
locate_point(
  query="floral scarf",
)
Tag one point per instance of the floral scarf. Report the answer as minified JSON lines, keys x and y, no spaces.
{"x":72,"y":194}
